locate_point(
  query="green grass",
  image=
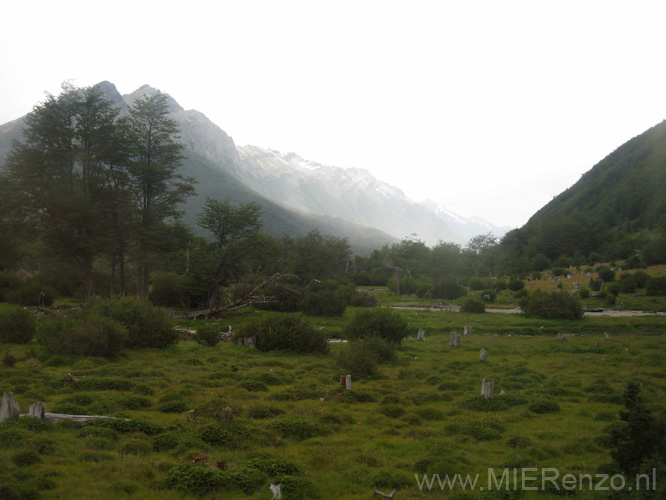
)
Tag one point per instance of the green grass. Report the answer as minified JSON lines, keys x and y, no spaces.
{"x":424,"y":415}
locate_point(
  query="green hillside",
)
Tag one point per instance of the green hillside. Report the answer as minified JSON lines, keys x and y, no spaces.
{"x":615,"y":211}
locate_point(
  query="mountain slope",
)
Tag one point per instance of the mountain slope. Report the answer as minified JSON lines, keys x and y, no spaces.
{"x":353,"y":194}
{"x":625,"y":190}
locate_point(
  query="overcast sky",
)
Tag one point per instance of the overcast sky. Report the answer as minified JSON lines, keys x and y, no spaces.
{"x":490,"y":107}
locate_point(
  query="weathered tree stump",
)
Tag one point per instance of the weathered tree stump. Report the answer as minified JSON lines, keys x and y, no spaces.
{"x":348,"y":382}
{"x":483,"y":355}
{"x":275,"y":489}
{"x":421,"y":334}
{"x":454,"y":339}
{"x":10,"y":408}
{"x":343,"y":381}
{"x":487,"y":388}
{"x":467,"y":330}
{"x":248,"y":341}
{"x":37,"y":410}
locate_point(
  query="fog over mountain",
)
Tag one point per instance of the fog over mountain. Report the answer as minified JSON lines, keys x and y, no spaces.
{"x":307,"y":188}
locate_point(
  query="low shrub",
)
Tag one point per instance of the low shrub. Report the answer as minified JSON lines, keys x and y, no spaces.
{"x":362,"y":298}
{"x":392,"y":411}
{"x":473,"y":306}
{"x":286,"y":332}
{"x":262,"y":411}
{"x":387,"y":324}
{"x":543,"y":405}
{"x":26,"y":458}
{"x":656,"y":285}
{"x":358,"y":361}
{"x":296,"y":488}
{"x":448,"y":291}
{"x":172,"y":407}
{"x":17,"y":325}
{"x":208,"y":335}
{"x":147,"y":326}
{"x":197,"y":479}
{"x":515,"y":284}
{"x":552,"y":305}
{"x":298,"y":428}
{"x":90,"y":335}
{"x":325,"y":303}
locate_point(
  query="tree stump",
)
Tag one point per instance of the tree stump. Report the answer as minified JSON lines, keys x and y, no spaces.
{"x":37,"y":410}
{"x":454,"y":339}
{"x":348,"y":382}
{"x":275,"y":489}
{"x":487,"y":388}
{"x":467,"y":330}
{"x":9,"y":408}
{"x":343,"y":381}
{"x":421,"y":334}
{"x":482,"y":355}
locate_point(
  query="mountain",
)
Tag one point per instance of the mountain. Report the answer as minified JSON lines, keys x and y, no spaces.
{"x":622,"y":195}
{"x":625,"y":190}
{"x":466,"y":228}
{"x":352,"y":193}
{"x":211,"y":158}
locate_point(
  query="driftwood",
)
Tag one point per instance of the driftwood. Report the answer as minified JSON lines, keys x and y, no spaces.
{"x":237,"y":305}
{"x":384,"y":495}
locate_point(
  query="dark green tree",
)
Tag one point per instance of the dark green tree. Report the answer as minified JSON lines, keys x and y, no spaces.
{"x":62,"y":172}
{"x":157,"y":186}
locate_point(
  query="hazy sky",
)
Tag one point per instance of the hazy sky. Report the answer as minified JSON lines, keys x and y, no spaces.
{"x":491,"y":107}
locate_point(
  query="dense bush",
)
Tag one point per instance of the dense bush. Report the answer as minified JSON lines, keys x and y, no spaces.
{"x":656,"y":286}
{"x":552,"y":305}
{"x":286,"y":332}
{"x":473,"y":306}
{"x":363,"y":299}
{"x":90,"y":335}
{"x":147,"y":326}
{"x":641,"y":278}
{"x":357,"y":360}
{"x":477,"y":284}
{"x":606,"y":273}
{"x":384,"y":323}
{"x":325,"y":303}
{"x":17,"y":326}
{"x":448,"y":291}
{"x":515,"y":284}
{"x":31,"y":293}
{"x":208,"y":335}
{"x":584,"y":293}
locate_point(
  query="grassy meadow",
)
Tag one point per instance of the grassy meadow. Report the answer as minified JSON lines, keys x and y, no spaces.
{"x":281,"y":417}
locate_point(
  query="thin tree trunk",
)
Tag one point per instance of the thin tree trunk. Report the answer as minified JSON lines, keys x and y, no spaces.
{"x":112,"y":287}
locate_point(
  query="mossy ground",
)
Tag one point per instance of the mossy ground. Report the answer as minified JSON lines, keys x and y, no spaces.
{"x":423,"y":415}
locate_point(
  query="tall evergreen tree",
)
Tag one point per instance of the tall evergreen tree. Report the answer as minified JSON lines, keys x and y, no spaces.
{"x":157,"y":187}
{"x":63,"y":169}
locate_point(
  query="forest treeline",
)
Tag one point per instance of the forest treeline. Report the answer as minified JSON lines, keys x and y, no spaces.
{"x":90,"y":203}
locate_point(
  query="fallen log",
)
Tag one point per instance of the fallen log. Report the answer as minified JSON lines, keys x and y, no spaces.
{"x":384,"y":495}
